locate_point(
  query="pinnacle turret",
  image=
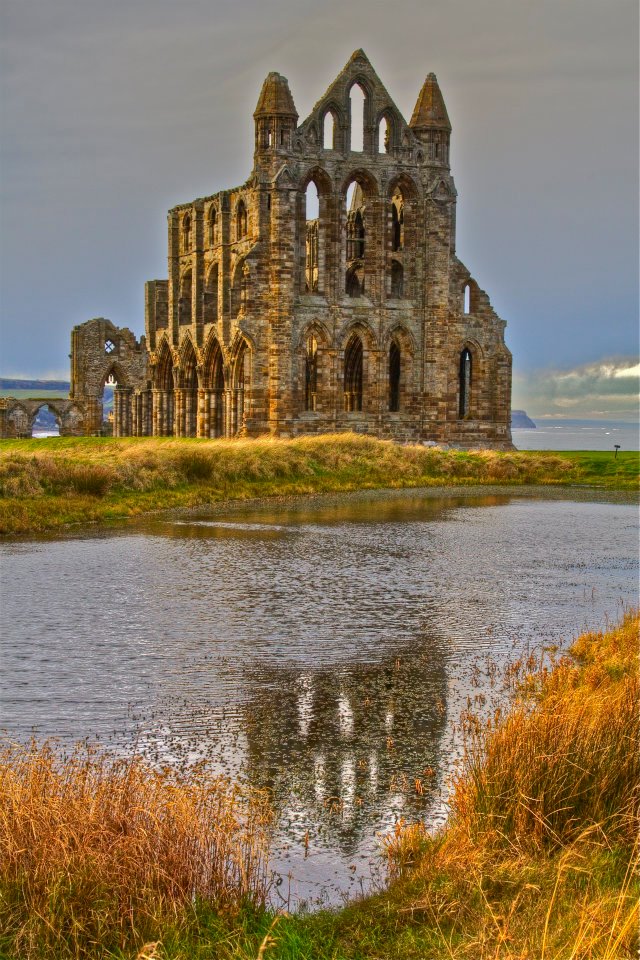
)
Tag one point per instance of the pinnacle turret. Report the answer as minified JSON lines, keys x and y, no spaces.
{"x":275,"y":117}
{"x":430,"y":112}
{"x":275,"y":98}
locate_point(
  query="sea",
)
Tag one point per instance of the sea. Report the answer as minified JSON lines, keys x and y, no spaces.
{"x":552,"y":433}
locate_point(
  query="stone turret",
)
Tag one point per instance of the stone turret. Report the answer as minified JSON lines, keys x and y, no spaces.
{"x":275,"y":116}
{"x":430,"y":121}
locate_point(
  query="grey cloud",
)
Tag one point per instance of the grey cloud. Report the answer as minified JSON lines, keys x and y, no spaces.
{"x":608,"y":388}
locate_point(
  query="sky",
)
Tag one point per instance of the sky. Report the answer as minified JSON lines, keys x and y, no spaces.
{"x":111,"y":113}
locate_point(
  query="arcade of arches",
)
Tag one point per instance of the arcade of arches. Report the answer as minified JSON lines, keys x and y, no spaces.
{"x":323,"y":294}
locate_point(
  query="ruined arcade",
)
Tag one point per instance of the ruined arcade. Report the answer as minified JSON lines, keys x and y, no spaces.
{"x":323,"y":294}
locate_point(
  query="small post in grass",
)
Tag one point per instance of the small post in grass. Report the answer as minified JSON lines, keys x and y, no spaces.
{"x":616,"y":447}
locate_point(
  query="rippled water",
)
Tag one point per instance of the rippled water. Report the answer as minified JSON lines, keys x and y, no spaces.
{"x":323,"y":648}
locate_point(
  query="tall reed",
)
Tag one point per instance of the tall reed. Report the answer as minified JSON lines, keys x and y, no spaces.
{"x":102,"y":852}
{"x":566,"y":755}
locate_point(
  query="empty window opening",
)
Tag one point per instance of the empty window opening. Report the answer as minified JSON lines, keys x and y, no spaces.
{"x":241,"y":220}
{"x":356,"y":236}
{"x":109,"y":346}
{"x":211,"y":295}
{"x":184,"y":303}
{"x":467,"y":299}
{"x":353,"y":363}
{"x":312,"y":209}
{"x":329,"y":132}
{"x":397,"y":280}
{"x":383,"y":136}
{"x":311,"y":374}
{"x":186,"y":232}
{"x":45,"y":423}
{"x":282,"y":137}
{"x":394,"y":377}
{"x":240,"y":288}
{"x":214,"y":376}
{"x":240,"y":395}
{"x":397,"y":222}
{"x":464,"y":406}
{"x":354,"y":283}
{"x":357,"y":101}
{"x":213,"y":218}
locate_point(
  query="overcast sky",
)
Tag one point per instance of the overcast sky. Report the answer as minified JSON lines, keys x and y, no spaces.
{"x":112,"y":112}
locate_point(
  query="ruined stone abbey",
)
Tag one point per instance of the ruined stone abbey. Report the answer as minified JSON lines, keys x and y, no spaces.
{"x":324,"y":294}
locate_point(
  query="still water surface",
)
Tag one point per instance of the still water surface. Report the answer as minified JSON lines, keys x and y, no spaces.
{"x":323,"y":648}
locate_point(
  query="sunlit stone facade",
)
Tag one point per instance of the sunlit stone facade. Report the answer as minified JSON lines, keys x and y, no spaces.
{"x":323,"y":294}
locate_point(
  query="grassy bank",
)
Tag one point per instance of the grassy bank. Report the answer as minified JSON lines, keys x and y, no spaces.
{"x":47,"y":484}
{"x":537,"y":861}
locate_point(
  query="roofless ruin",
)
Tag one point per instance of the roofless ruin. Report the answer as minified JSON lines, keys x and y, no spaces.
{"x":323,"y":294}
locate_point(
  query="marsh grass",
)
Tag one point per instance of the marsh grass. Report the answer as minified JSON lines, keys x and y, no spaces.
{"x":565,"y":756}
{"x":45,"y":484}
{"x":100,"y":854}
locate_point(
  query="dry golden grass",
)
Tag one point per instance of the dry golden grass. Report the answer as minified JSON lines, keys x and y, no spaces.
{"x":46,"y":484}
{"x":98,"y":853}
{"x":540,"y":857}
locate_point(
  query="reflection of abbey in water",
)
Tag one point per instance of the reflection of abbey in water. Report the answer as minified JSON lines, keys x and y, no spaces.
{"x":322,"y":294}
{"x":341,"y":741}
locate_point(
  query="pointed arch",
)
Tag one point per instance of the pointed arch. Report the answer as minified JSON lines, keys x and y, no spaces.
{"x":358,"y":102}
{"x":188,"y":364}
{"x":239,"y":287}
{"x":353,"y":374}
{"x":354,"y":280}
{"x":184,"y":301}
{"x":214,"y":384}
{"x":213,"y":225}
{"x":241,"y":364}
{"x":213,"y":365}
{"x":312,"y":348}
{"x":163,"y":378}
{"x":397,"y":280}
{"x":186,"y":233}
{"x":211,"y":294}
{"x":242,"y":221}
{"x":465,"y":383}
{"x":395,"y":370}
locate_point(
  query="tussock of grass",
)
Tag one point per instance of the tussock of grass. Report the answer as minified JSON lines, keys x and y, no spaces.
{"x":540,"y":776}
{"x":99,"y":854}
{"x":45,"y":484}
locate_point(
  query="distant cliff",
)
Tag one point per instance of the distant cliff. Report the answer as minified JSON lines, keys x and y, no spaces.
{"x":8,"y":383}
{"x":520,"y":419}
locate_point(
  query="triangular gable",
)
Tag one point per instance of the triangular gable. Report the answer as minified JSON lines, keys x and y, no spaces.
{"x":335,"y":99}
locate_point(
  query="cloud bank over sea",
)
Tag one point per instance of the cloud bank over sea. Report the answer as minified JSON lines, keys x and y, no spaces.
{"x":607,"y":389}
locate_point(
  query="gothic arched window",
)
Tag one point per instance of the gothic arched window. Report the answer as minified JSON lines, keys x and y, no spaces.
{"x":394,"y":377}
{"x":465,"y":378}
{"x":311,"y":374}
{"x":353,"y":364}
{"x":241,"y":220}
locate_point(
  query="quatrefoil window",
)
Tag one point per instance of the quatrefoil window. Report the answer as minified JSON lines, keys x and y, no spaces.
{"x":109,"y":346}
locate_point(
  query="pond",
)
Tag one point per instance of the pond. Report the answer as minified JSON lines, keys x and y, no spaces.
{"x":321,"y":647}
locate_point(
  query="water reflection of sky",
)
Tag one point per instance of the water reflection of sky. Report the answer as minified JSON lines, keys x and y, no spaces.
{"x":323,"y":649}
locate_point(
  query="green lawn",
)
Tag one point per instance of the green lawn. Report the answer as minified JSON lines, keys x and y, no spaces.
{"x":47,"y":484}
